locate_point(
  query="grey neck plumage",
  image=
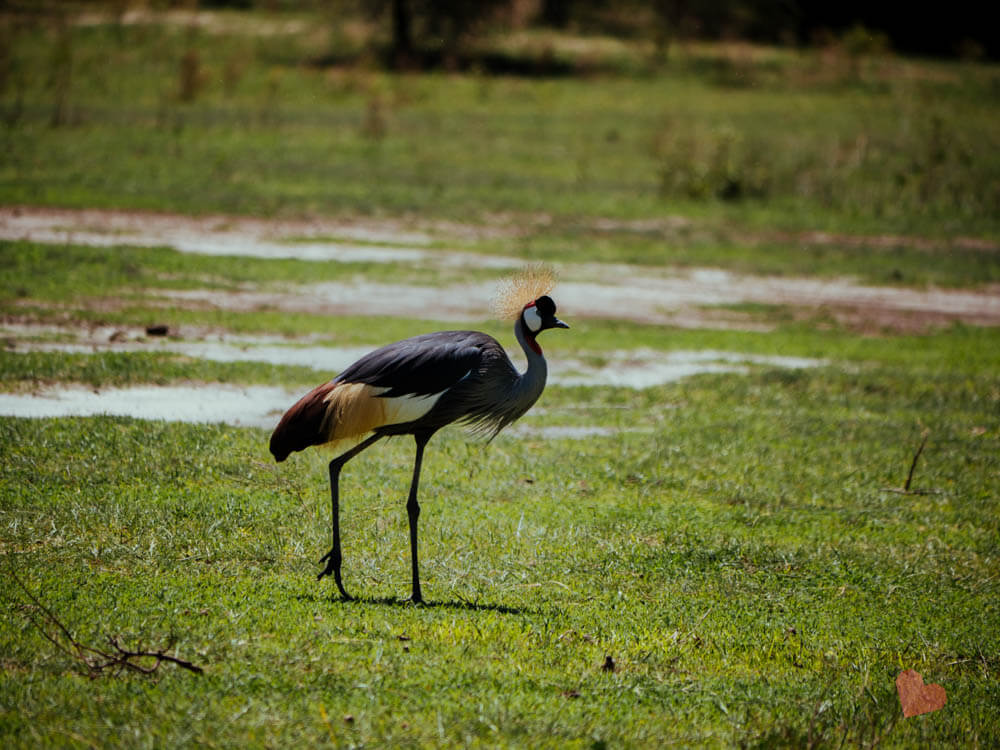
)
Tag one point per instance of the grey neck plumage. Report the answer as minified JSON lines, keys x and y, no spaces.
{"x":507,"y":394}
{"x":532,"y":381}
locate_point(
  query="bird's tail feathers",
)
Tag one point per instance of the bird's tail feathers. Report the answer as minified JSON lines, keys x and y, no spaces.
{"x":331,"y":413}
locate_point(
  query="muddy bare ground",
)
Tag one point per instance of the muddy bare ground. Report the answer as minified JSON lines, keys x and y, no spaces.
{"x":642,"y":368}
{"x":262,"y":406}
{"x":688,"y":297}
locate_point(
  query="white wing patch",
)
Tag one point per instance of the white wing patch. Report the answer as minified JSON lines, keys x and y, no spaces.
{"x":402,"y":409}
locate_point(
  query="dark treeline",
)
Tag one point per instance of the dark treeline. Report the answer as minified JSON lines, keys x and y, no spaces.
{"x":962,"y":28}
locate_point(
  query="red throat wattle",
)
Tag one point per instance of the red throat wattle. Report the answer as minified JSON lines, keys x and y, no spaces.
{"x":531,"y":335}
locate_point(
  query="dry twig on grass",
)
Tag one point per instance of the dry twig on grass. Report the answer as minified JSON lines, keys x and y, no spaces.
{"x":905,"y":489}
{"x":95,"y":660}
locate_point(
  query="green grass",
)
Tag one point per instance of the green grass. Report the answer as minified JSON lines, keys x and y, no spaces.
{"x":733,"y":545}
{"x":734,"y":549}
{"x":743,"y":566}
{"x":902,"y":147}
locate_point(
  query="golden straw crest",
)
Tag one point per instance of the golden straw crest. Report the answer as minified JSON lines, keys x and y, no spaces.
{"x":522,"y":287}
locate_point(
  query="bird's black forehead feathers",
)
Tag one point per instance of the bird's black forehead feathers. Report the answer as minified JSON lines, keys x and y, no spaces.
{"x":545,"y":306}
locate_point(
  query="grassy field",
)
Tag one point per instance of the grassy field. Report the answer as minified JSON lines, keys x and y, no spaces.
{"x":168,"y":117}
{"x":734,"y":549}
{"x":726,"y":560}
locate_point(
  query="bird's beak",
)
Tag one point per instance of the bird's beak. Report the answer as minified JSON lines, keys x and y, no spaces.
{"x":556,"y":323}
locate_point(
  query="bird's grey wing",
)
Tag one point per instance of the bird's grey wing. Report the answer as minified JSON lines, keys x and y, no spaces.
{"x":421,"y":365}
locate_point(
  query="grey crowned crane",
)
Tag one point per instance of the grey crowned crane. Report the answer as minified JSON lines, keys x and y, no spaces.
{"x":419,"y":385}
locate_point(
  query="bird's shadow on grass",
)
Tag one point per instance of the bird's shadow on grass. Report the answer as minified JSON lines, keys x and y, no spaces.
{"x":391,"y":601}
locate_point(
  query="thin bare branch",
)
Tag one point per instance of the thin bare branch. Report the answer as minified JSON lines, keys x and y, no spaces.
{"x":48,"y":614}
{"x":94,"y":659}
{"x":160,"y":656}
{"x":906,"y":488}
{"x":913,"y":464}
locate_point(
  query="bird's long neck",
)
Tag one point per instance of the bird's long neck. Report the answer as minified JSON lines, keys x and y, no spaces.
{"x":532,"y":381}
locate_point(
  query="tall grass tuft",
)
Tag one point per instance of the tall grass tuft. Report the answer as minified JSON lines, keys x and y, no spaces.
{"x":191,"y":77}
{"x":267,"y":102}
{"x":60,"y":78}
{"x":12,"y":83}
{"x":374,"y":125}
{"x":722,"y":164}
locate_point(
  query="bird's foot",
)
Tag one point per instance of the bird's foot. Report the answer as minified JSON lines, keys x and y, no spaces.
{"x":333,"y":566}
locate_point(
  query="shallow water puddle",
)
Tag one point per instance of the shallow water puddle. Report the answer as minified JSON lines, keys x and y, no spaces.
{"x":639,"y":368}
{"x":243,"y":406}
{"x":646,"y":368}
{"x":250,"y":406}
{"x":262,"y":406}
{"x":578,"y":432}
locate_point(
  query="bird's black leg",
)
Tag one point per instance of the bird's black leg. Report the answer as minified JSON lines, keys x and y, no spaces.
{"x":413,"y":511}
{"x":333,"y":558}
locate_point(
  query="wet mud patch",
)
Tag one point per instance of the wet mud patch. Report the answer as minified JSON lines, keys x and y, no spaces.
{"x":640,"y":368}
{"x":698,"y":297}
{"x":329,"y":240}
{"x":689,"y":299}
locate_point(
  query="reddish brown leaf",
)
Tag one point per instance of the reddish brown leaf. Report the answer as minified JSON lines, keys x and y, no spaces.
{"x":916,"y":697}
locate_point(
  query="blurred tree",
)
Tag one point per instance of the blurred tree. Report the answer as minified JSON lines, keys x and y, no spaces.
{"x":423,"y":30}
{"x":556,"y":13}
{"x":669,"y":17}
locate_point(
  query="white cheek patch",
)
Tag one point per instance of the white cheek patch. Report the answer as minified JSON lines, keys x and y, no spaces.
{"x":532,"y":319}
